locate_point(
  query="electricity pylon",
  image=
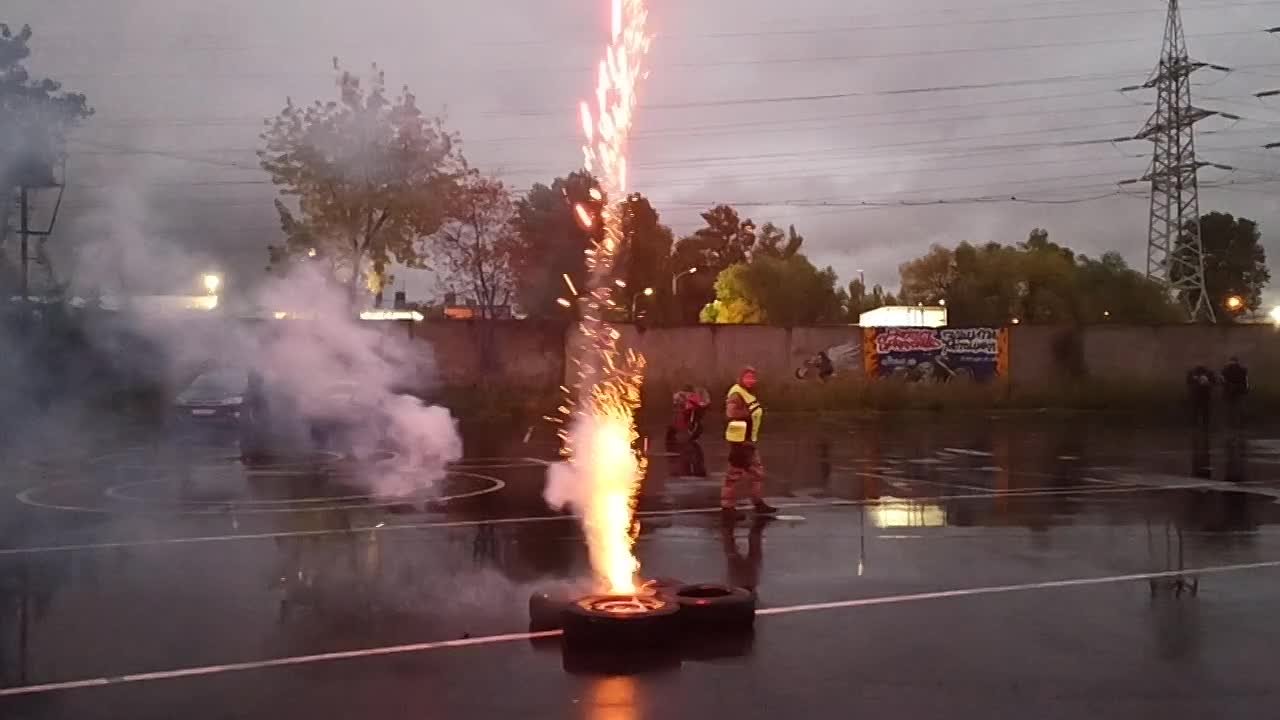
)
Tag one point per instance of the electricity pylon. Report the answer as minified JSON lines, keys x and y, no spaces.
{"x":1175,"y":255}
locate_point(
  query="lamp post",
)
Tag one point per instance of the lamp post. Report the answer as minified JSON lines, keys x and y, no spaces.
{"x":648,"y":292}
{"x":675,"y":280}
{"x":212,"y":282}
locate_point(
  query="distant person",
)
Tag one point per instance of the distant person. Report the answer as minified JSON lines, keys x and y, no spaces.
{"x":1235,"y":385}
{"x":744,"y":413}
{"x":689,"y":407}
{"x":1200,"y":382}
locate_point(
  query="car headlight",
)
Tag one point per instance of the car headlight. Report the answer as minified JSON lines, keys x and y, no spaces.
{"x":234,"y":400}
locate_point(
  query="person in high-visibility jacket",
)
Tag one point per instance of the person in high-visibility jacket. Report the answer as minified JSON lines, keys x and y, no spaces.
{"x":744,"y":413}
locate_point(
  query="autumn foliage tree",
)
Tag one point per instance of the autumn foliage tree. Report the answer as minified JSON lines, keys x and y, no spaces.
{"x":370,"y":176}
{"x":778,"y":291}
{"x":474,"y":246}
{"x":725,"y":240}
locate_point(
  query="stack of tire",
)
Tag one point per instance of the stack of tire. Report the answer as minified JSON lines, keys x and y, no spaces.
{"x":697,"y":621}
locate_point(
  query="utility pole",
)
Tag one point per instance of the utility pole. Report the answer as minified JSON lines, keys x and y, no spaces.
{"x":1175,"y":254}
{"x":24,"y":231}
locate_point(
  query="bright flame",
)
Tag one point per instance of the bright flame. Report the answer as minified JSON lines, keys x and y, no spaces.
{"x":584,"y":215}
{"x":601,"y":440}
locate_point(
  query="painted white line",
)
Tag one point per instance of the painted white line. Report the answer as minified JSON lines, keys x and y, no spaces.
{"x":987,"y":489}
{"x":999,"y":589}
{"x":967,"y":452}
{"x":516,"y":637}
{"x":447,"y":525}
{"x":254,"y":507}
{"x":276,"y":662}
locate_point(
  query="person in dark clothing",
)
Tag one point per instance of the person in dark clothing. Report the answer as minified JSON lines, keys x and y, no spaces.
{"x":1200,"y":382}
{"x":1235,"y":385}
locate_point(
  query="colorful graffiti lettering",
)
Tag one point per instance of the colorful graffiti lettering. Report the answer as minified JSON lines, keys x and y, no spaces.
{"x":896,"y":340}
{"x":935,"y":355}
{"x":976,"y":341}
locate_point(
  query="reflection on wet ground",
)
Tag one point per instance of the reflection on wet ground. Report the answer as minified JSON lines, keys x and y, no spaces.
{"x":1000,"y":564}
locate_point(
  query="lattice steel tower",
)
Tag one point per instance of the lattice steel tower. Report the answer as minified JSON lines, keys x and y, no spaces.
{"x":1174,"y":253}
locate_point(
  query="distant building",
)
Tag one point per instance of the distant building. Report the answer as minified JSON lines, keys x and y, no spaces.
{"x":925,"y":316}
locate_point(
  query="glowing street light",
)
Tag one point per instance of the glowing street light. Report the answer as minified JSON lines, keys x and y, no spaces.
{"x":675,"y":280}
{"x":212,"y":282}
{"x":1235,"y":303}
{"x":648,"y":292}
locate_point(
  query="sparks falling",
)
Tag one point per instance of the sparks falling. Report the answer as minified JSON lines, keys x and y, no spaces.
{"x":600,"y":439}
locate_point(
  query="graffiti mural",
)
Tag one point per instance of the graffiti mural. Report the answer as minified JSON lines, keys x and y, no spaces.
{"x":843,"y":359}
{"x":935,"y":354}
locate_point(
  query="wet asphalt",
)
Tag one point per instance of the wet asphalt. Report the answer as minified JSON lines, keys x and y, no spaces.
{"x":970,"y":568}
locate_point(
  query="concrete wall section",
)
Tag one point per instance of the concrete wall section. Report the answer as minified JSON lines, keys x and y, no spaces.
{"x":532,"y":354}
{"x":712,"y":355}
{"x":501,"y":352}
{"x":1165,"y":353}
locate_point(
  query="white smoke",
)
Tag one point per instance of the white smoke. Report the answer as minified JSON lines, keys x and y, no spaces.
{"x":334,"y":367}
{"x":327,"y":365}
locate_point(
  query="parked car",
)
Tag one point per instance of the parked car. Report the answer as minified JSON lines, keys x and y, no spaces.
{"x":215,"y":397}
{"x":334,"y":418}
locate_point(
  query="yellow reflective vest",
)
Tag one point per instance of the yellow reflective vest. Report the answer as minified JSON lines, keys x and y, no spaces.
{"x":743,"y":430}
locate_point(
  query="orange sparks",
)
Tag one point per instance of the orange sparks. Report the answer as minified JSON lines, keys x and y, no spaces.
{"x":600,"y":443}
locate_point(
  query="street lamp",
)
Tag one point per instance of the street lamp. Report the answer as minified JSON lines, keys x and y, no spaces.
{"x":675,"y":281}
{"x":1235,"y":303}
{"x":648,"y":292}
{"x":212,"y":282}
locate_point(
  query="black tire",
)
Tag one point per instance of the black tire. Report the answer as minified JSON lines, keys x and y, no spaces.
{"x":713,"y":606}
{"x":663,"y":586}
{"x":587,"y":626}
{"x":546,"y":611}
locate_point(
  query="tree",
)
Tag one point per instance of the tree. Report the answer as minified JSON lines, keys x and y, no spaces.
{"x":773,"y":242}
{"x":724,"y":241}
{"x":1235,"y":263}
{"x":35,"y":116}
{"x":1107,"y":289}
{"x":1036,"y":281}
{"x":778,"y":291}
{"x":857,"y":300}
{"x":371,"y":174}
{"x":1047,"y":275}
{"x":644,"y":260}
{"x":551,"y":242}
{"x":474,"y":246}
{"x":928,"y":279}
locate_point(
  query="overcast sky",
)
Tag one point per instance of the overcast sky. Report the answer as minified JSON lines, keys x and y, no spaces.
{"x":936,"y":101}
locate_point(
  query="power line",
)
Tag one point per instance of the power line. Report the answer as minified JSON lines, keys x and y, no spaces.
{"x":949,"y":24}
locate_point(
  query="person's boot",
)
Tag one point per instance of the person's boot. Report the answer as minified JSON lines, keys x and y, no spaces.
{"x":763,"y":508}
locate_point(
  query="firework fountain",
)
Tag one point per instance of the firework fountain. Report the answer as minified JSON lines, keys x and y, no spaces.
{"x":602,"y":472}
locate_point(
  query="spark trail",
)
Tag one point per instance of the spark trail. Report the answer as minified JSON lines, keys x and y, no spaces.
{"x":599,"y":440}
